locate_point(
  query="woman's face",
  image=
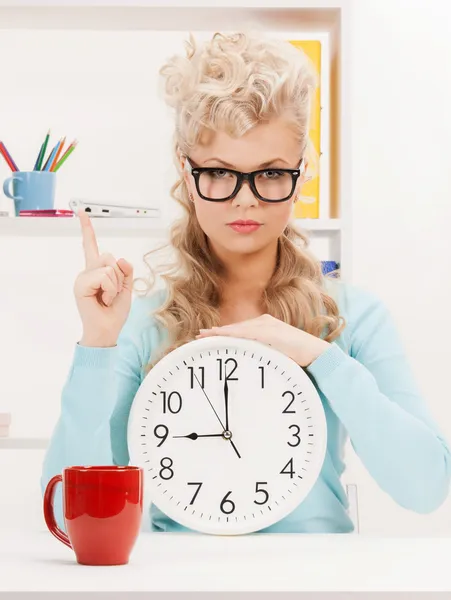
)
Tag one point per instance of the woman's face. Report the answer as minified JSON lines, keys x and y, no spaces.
{"x":270,"y":146}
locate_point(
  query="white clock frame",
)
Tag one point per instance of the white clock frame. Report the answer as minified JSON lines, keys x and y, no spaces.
{"x":146,"y":412}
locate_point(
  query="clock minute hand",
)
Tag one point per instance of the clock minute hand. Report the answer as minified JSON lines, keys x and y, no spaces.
{"x":226,"y":402}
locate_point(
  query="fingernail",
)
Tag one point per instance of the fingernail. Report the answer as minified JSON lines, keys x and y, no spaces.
{"x":203,"y":330}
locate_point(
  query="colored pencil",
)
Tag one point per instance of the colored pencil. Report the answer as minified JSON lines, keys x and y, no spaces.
{"x":43,"y":151}
{"x":7,"y":156}
{"x":48,"y":162}
{"x":57,"y":155}
{"x":66,"y":155}
{"x":35,"y":168}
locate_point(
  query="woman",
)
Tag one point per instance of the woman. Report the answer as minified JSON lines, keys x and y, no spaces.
{"x":242,"y":105}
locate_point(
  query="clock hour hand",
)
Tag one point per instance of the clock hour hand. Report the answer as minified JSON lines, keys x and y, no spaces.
{"x":194,"y":436}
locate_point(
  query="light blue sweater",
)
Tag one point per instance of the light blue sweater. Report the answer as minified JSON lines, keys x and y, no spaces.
{"x":366,"y":386}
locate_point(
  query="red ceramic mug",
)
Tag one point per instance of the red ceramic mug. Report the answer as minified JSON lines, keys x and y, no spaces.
{"x":102,"y":507}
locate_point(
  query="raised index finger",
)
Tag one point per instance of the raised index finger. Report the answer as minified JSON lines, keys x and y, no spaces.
{"x":90,"y":247}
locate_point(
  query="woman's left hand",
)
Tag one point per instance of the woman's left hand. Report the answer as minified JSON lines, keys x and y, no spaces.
{"x":302,"y":347}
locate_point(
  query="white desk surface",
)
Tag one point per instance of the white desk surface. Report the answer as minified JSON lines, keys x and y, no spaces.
{"x":262,"y":562}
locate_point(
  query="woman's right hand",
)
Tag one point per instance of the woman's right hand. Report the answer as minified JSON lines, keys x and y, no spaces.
{"x":103,"y":291}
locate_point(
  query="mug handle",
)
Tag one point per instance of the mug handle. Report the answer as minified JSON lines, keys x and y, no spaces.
{"x":49,"y":514}
{"x":8,"y":192}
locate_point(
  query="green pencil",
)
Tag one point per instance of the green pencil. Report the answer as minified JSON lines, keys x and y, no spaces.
{"x":65,"y":156}
{"x":42,"y":154}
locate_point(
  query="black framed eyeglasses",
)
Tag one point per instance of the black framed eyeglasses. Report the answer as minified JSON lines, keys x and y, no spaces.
{"x":218,"y":184}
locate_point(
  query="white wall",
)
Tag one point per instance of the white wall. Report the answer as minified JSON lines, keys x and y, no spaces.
{"x":401,"y":189}
{"x":401,"y":91}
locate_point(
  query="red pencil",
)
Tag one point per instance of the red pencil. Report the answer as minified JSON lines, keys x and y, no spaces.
{"x":6,"y":155}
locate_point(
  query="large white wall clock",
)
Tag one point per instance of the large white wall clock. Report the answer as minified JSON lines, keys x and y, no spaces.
{"x":231,"y":435}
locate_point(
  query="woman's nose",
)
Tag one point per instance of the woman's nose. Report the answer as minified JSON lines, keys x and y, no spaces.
{"x":245,"y":196}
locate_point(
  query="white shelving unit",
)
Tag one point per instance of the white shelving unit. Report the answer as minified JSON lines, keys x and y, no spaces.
{"x":330,"y":16}
{"x":118,"y":227}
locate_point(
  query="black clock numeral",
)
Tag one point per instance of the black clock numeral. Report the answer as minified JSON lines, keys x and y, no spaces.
{"x":286,"y":411}
{"x":161,"y":437}
{"x":199,"y":485}
{"x":291,"y":470}
{"x":225,"y":501}
{"x":231,"y":372}
{"x":173,"y":402}
{"x":258,"y":490}
{"x":262,"y":370}
{"x":166,"y":471}
{"x":202,"y":376}
{"x":296,"y":435}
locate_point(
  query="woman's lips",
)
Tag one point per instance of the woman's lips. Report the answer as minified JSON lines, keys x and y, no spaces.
{"x":244,"y":226}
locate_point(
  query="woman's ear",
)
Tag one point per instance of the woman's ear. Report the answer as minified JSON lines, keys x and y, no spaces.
{"x":181,"y":158}
{"x":304,"y":176}
{"x":182,"y":162}
{"x":185,"y":174}
{"x":301,"y":179}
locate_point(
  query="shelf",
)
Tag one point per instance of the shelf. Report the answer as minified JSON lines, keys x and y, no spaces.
{"x":172,"y":15}
{"x":17,"y":443}
{"x":315,"y":225}
{"x":70,"y":226}
{"x":119,"y":227}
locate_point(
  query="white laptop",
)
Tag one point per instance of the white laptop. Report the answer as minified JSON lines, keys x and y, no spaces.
{"x":104,"y":209}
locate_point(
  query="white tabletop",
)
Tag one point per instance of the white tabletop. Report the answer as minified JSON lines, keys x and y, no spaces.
{"x":262,"y":562}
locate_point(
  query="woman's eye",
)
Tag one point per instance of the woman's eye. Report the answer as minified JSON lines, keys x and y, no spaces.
{"x":273,"y":174}
{"x":218,"y":174}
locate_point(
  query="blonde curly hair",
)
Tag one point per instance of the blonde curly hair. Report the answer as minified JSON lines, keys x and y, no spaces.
{"x":232,"y":83}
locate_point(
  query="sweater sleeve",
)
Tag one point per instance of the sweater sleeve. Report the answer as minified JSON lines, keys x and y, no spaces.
{"x":101,"y":383}
{"x":373,"y":393}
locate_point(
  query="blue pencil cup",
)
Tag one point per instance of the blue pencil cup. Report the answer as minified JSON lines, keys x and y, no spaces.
{"x":31,"y":190}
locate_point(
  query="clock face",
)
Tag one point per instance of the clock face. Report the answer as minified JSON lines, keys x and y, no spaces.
{"x":231,"y":435}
